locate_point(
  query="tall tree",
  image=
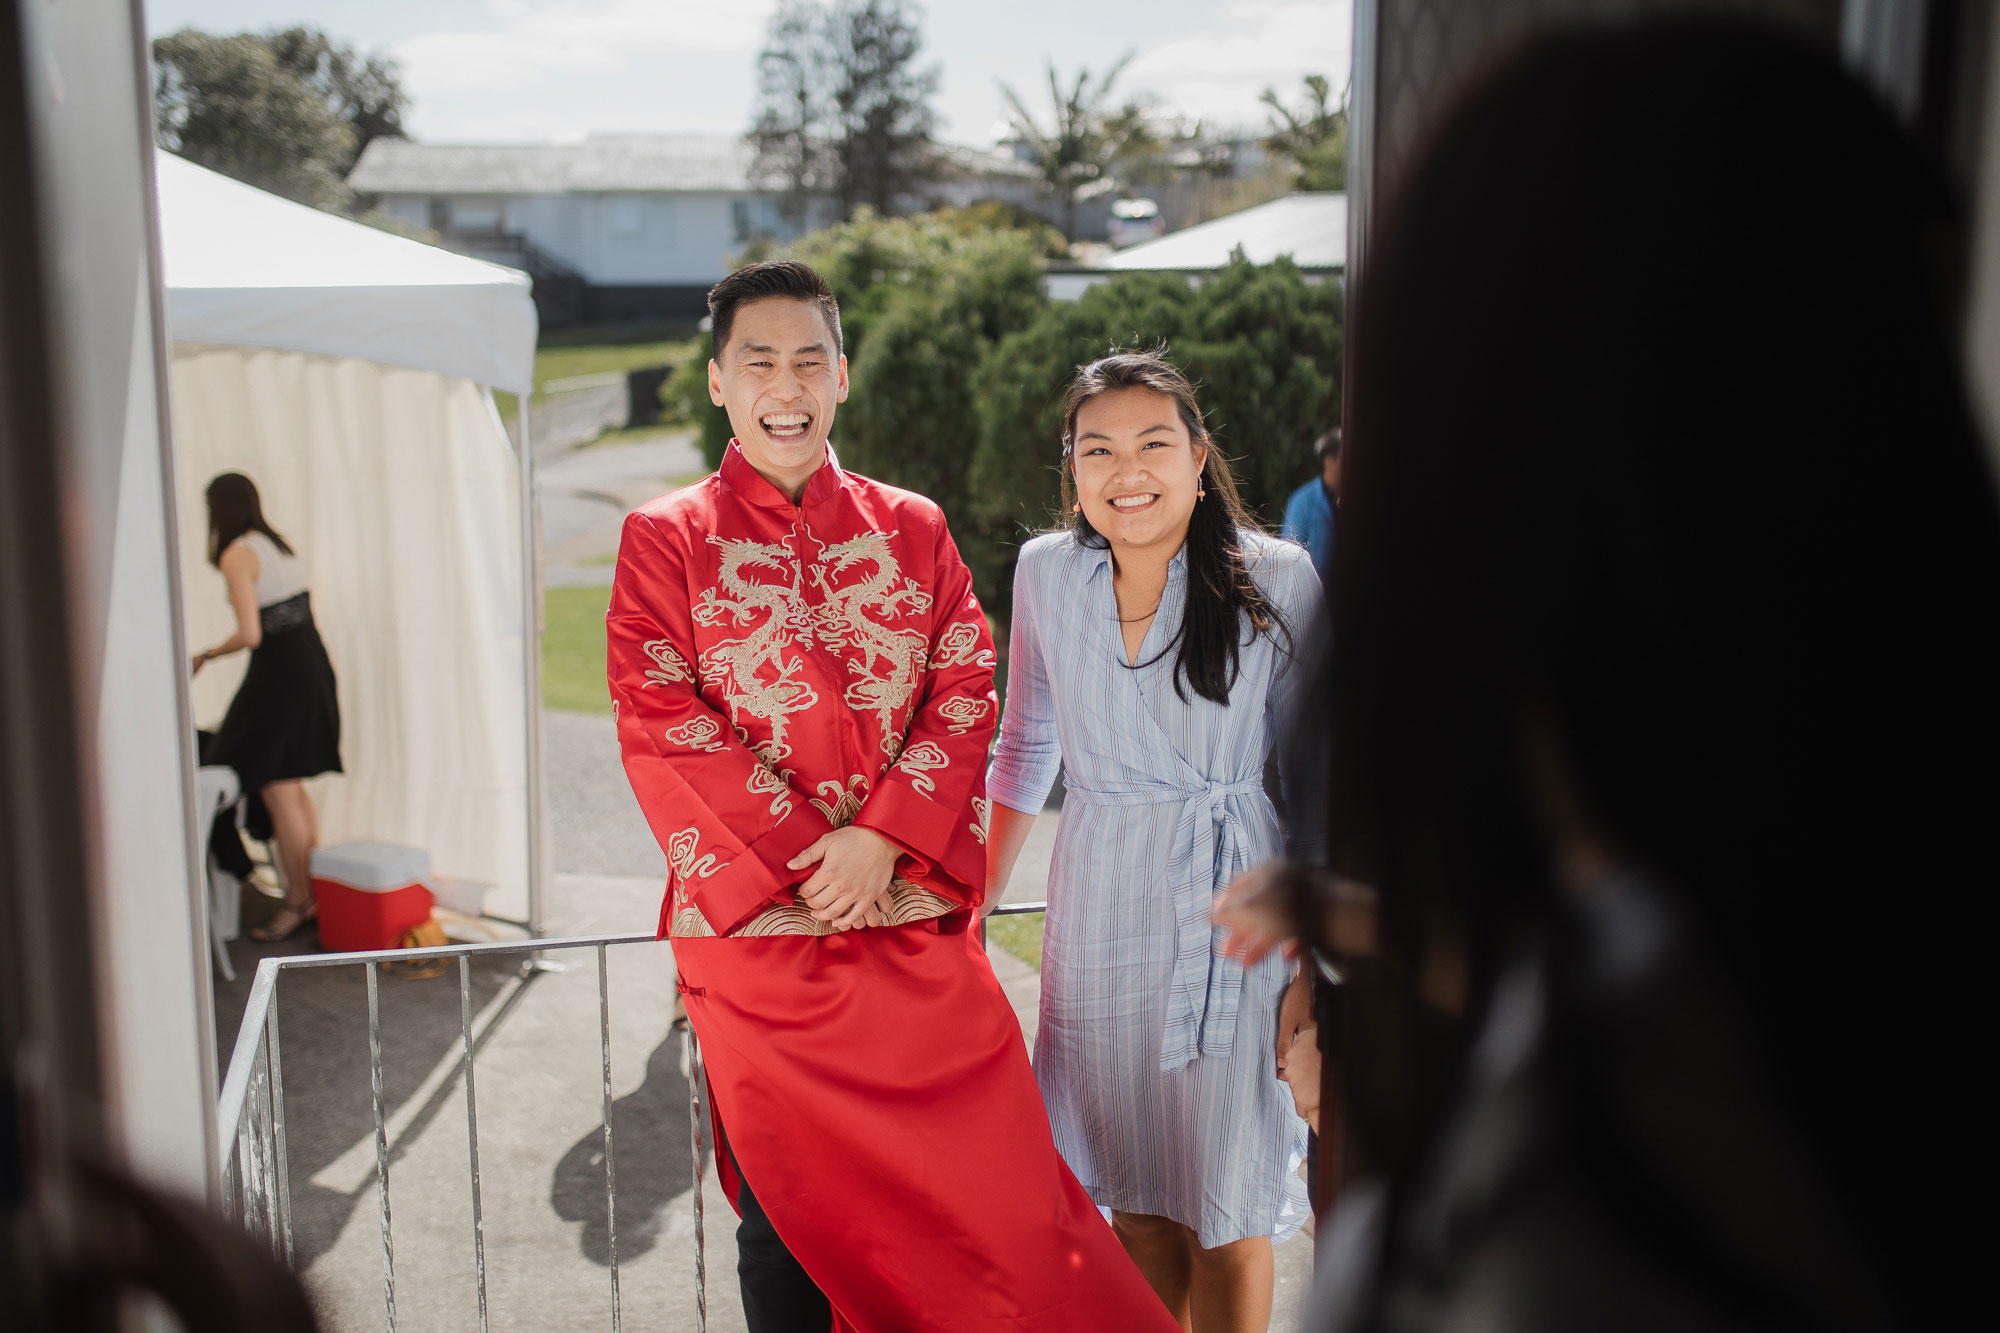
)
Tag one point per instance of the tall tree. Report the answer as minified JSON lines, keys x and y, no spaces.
{"x":881,"y":104}
{"x":843,"y":106}
{"x":1313,"y":136}
{"x":286,"y":111}
{"x":366,"y":91}
{"x":1086,"y":138}
{"x":788,"y":133}
{"x":227,"y":103}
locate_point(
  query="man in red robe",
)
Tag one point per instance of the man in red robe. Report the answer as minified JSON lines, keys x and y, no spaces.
{"x":803,"y":683}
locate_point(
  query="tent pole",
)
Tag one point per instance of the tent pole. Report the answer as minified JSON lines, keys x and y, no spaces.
{"x":531,"y":673}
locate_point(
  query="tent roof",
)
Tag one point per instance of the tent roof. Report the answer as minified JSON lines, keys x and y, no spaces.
{"x":1309,"y":229}
{"x":247,"y":269}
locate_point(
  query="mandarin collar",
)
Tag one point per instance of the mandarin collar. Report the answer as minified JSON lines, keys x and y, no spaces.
{"x":737,"y":473}
{"x":1101,"y":559}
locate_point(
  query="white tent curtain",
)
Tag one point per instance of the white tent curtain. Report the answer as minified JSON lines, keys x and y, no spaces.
{"x":400,"y":491}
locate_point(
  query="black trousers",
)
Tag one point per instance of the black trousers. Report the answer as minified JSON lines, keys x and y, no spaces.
{"x":778,"y":1296}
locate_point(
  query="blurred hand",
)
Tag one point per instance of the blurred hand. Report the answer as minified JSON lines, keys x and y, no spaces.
{"x":1254,"y":910}
{"x":196,"y":663}
{"x":855,"y":866}
{"x":1300,"y":1069}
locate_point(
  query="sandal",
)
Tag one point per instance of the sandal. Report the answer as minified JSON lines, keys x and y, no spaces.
{"x":301,"y":918}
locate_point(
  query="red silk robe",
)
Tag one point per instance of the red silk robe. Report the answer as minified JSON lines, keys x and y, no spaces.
{"x":778,"y":671}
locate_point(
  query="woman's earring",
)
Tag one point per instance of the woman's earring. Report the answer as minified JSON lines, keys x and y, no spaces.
{"x":1201,"y":495}
{"x":1076,"y":508}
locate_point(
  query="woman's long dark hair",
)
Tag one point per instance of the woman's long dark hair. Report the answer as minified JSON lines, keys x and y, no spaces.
{"x":1640,"y":458}
{"x":1221,"y":594}
{"x":234,"y":509}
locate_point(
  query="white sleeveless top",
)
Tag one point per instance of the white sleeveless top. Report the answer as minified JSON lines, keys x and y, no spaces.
{"x":279,"y":576}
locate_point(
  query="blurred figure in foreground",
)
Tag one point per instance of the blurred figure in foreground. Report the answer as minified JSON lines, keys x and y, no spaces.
{"x":1309,"y":513}
{"x":283,"y":726}
{"x":1663,"y":712}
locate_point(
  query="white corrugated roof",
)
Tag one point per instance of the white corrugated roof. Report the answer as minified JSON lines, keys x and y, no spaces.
{"x":1309,"y":229}
{"x":610,"y":162}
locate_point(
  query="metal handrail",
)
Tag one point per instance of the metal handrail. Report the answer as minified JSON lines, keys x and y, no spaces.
{"x":251,"y":1119}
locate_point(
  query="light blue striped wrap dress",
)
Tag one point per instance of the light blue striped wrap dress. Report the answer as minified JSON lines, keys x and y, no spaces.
{"x":1155,"y":1052}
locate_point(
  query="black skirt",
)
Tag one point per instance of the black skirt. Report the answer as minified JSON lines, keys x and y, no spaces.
{"x":284,"y":722}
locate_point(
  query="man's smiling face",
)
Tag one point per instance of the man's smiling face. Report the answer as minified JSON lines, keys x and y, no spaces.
{"x":780,"y":378}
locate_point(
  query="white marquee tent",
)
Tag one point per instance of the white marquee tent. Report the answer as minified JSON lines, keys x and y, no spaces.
{"x":346,"y":370}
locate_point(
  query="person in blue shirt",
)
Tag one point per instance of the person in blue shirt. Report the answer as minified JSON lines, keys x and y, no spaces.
{"x":1309,"y":513}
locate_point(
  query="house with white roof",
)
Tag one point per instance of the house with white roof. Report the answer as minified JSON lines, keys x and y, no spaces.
{"x":619,"y":226}
{"x":1308,"y":228}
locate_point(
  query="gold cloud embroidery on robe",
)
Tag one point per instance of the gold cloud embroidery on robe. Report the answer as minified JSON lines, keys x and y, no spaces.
{"x":983,"y":810}
{"x":669,"y":668}
{"x":753,"y":673}
{"x":763,"y":782}
{"x":697,"y":733}
{"x":889,"y":662}
{"x":681,"y":850}
{"x":919,"y":761}
{"x":959,"y":646}
{"x":962,"y":712}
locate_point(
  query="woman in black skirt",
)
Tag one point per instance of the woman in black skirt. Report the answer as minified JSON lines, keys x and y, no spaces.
{"x":283,"y":726}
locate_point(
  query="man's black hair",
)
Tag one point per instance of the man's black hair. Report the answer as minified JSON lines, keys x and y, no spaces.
{"x":782,"y":278}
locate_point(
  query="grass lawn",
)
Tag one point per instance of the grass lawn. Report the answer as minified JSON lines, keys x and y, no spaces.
{"x":572,"y":352}
{"x":573,"y":650}
{"x":1018,"y":935}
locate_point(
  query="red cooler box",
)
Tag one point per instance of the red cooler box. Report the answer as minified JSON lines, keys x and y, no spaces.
{"x":369,"y":893}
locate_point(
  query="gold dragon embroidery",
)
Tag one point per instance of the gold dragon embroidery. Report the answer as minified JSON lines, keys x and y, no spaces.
{"x":888,"y":661}
{"x":753,"y":673}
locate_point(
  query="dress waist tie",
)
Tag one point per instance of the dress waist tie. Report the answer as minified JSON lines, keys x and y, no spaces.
{"x":1205,"y":987}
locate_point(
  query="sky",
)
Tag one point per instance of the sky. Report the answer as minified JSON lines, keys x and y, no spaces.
{"x":556,"y":70}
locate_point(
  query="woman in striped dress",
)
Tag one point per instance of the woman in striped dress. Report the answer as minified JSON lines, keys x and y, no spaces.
{"x":1152,"y":657}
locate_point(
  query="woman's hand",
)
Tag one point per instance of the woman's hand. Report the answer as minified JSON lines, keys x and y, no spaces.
{"x":1255,"y":911}
{"x":196,"y":663}
{"x":1299,"y":1067}
{"x":855,"y":867}
{"x":1295,"y":1013}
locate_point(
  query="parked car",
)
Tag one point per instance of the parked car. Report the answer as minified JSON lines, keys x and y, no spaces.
{"x":1135,"y":220}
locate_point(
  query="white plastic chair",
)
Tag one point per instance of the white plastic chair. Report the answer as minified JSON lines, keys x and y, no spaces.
{"x":216,"y":789}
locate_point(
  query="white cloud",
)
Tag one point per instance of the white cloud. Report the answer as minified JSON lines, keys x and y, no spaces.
{"x":485,"y":74}
{"x":1257,"y":44}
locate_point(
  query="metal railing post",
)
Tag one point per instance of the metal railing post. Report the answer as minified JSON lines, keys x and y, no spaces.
{"x":381,"y":1143}
{"x":695,"y":1114}
{"x":610,"y":1162}
{"x":472,"y":1131}
{"x":280,"y":1151}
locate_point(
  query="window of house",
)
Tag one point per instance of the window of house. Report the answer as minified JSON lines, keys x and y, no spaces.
{"x":475,"y":215}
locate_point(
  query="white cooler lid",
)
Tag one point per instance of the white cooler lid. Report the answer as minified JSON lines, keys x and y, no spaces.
{"x":371,"y":865}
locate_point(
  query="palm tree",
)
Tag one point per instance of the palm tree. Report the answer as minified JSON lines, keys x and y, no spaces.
{"x":1314,"y":137}
{"x":1087,"y":138}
